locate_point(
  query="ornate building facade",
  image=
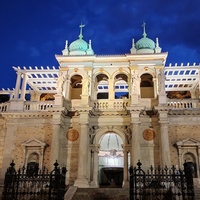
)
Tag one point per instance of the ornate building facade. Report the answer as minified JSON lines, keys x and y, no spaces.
{"x":99,"y":114}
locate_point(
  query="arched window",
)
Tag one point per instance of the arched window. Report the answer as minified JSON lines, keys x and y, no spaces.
{"x":146,"y":86}
{"x":76,"y":87}
{"x":102,"y":86}
{"x":121,"y":87}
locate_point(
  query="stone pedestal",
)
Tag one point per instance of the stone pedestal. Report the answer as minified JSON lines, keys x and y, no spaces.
{"x":162,"y":100}
{"x":16,"y":105}
{"x":84,"y":100}
{"x":58,"y":102}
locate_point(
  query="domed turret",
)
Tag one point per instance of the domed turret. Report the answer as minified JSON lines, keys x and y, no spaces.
{"x":145,"y":45}
{"x":79,"y":46}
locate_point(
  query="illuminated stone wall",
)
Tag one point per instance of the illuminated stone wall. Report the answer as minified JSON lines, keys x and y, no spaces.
{"x":181,"y":132}
{"x":2,"y":137}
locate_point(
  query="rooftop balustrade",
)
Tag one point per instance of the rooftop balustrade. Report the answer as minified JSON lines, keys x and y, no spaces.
{"x":103,"y":104}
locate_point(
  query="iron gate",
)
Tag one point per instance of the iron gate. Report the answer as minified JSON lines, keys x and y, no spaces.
{"x":34,"y":184}
{"x":161,"y":183}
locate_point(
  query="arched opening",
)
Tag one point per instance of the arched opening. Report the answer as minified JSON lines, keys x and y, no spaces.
{"x":47,"y":97}
{"x":33,"y":164}
{"x":121,"y":87}
{"x":111,"y":160}
{"x":190,"y":159}
{"x":76,"y":87}
{"x":178,"y":94}
{"x":146,"y":86}
{"x":102,"y":86}
{"x":4,"y":98}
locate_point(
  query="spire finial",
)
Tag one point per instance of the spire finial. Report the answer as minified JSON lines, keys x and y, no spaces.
{"x":144,"y":31}
{"x":81,"y":31}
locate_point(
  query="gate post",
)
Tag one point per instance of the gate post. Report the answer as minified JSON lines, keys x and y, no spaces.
{"x":9,"y":182}
{"x":189,"y":179}
{"x":131,"y":184}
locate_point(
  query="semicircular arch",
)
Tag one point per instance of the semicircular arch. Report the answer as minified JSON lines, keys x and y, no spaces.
{"x":103,"y":131}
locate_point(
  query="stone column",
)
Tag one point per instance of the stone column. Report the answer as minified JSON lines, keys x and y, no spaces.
{"x":94,"y":90}
{"x":164,"y":144}
{"x":54,"y":153}
{"x":155,"y":87}
{"x":135,"y":128}
{"x":85,"y":88}
{"x":23,"y":90}
{"x":95,"y":165}
{"x":135,"y":143}
{"x":164,"y":136}
{"x":82,"y":178}
{"x":111,"y":87}
{"x":135,"y":85}
{"x":162,"y":99}
{"x":67,"y":89}
{"x":125,"y":181}
{"x":17,"y":86}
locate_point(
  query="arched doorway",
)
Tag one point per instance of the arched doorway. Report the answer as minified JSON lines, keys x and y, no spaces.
{"x":33,"y":164}
{"x":111,"y":160}
{"x":190,"y":159}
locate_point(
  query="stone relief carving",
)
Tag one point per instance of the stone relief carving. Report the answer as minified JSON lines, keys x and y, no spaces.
{"x":161,"y":81}
{"x":92,"y":133}
{"x":135,"y":83}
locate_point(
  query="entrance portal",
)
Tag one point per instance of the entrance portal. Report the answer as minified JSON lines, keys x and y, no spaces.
{"x":111,"y":161}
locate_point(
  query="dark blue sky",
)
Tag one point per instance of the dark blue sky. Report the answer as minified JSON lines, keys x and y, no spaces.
{"x":33,"y":31}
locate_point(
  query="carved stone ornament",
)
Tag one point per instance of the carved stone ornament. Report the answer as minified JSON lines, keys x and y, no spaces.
{"x":72,"y":135}
{"x":149,"y":134}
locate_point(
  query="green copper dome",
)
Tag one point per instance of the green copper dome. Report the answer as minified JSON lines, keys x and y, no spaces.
{"x":78,"y":45}
{"x":145,"y":42}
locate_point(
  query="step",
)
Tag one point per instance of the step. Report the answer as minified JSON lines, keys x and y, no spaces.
{"x":106,"y":194}
{"x":101,"y":194}
{"x":197,"y":193}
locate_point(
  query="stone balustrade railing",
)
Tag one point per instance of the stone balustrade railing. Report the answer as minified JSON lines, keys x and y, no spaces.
{"x":101,"y":104}
{"x":183,"y":103}
{"x":4,"y":106}
{"x":116,"y":104}
{"x":37,"y":106}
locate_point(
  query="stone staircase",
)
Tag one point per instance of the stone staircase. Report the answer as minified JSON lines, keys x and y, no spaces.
{"x":197,"y":193}
{"x":97,"y":194}
{"x":75,"y":193}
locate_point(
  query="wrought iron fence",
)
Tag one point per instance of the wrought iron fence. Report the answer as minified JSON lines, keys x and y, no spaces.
{"x":161,"y":183}
{"x":34,"y":184}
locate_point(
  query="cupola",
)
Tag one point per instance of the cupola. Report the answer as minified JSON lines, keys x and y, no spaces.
{"x":145,"y":44}
{"x":79,"y":46}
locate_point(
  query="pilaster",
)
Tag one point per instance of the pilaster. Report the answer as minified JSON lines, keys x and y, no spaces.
{"x":111,"y":88}
{"x":8,"y":149}
{"x":54,"y":153}
{"x":135,"y":86}
{"x":82,"y":180}
{"x":126,"y":150}
{"x":164,"y":136}
{"x":94,"y":166}
{"x":135,"y":127}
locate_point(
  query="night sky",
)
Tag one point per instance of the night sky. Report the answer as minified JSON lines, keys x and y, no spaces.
{"x":33,"y":31}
